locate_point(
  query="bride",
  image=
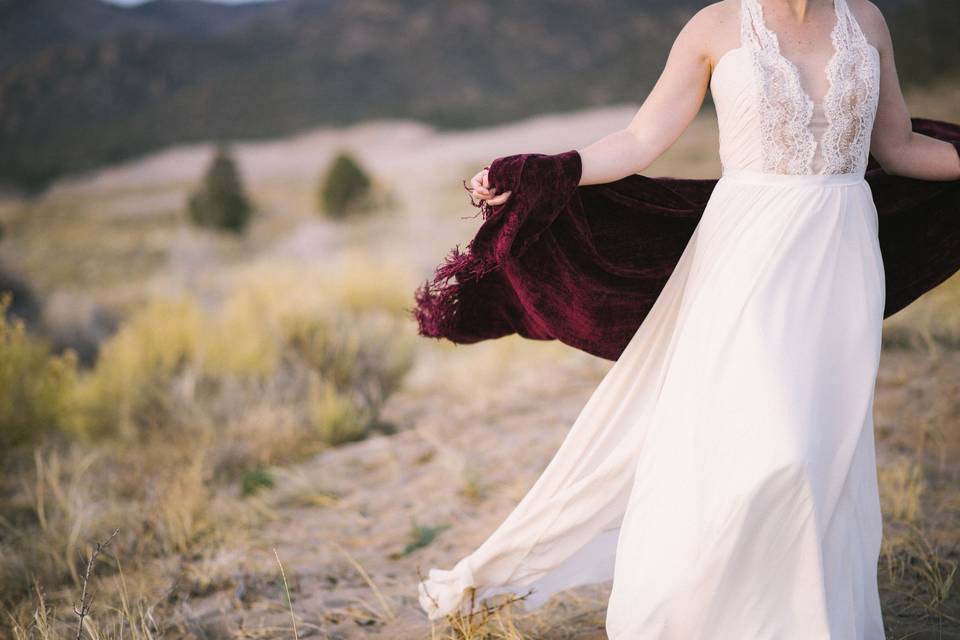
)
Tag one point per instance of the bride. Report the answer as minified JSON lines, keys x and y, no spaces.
{"x":722,"y":474}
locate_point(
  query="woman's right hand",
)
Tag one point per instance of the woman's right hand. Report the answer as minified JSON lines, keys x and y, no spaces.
{"x":480,"y":188}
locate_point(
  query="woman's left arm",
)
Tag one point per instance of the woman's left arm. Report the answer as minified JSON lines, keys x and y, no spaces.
{"x":900,"y":150}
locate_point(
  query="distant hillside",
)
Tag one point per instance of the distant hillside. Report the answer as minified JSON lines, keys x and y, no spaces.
{"x":83,"y":83}
{"x":33,"y":25}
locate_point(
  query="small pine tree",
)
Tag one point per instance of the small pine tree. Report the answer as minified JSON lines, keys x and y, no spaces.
{"x":345,"y":186}
{"x":220,"y":202}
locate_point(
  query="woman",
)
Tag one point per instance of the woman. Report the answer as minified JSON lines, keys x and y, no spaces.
{"x":723,"y":473}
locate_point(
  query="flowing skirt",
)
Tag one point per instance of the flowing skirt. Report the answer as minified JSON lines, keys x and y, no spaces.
{"x":723,"y":473}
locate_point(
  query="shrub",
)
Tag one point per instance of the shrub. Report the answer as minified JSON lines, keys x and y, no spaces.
{"x":345,"y":188}
{"x":24,"y":303}
{"x":220,"y":202}
{"x":175,"y":366}
{"x":35,"y":386}
{"x":362,"y":359}
{"x":255,"y":480}
{"x":336,"y":416}
{"x":134,"y":384}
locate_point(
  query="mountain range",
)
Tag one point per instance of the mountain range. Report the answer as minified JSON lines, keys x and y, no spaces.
{"x":84,"y":83}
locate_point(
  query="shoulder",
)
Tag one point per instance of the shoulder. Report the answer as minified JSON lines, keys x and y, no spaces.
{"x":712,"y":29}
{"x":872,"y":23}
{"x":712,"y":17}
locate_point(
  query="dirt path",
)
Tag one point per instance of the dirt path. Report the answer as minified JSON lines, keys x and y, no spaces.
{"x":464,"y":454}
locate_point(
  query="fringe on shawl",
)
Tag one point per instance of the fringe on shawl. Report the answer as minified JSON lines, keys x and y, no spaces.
{"x":438,"y":299}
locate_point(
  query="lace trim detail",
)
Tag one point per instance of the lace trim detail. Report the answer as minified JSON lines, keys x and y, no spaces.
{"x":851,"y":101}
{"x":789,"y":146}
{"x":785,"y":109}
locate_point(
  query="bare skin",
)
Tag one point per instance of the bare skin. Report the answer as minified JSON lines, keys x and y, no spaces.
{"x":803,"y":29}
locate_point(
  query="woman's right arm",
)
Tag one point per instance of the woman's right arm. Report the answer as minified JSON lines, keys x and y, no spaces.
{"x":669,"y":109}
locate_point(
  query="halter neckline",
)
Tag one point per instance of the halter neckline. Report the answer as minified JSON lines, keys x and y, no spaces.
{"x":774,"y":43}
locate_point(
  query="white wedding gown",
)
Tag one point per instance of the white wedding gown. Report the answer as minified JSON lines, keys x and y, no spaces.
{"x":722,"y":474}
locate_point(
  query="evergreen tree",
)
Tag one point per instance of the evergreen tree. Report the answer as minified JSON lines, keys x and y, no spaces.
{"x":220,"y":202}
{"x":345,"y":186}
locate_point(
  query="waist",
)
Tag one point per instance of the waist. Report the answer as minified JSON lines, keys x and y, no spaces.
{"x":761,"y":177}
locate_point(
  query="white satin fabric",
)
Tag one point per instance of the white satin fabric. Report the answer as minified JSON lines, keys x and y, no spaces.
{"x":722,"y":475}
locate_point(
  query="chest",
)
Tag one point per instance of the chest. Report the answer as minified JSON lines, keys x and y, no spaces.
{"x":833,"y":93}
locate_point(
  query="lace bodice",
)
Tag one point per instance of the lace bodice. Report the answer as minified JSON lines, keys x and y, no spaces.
{"x":769,"y":123}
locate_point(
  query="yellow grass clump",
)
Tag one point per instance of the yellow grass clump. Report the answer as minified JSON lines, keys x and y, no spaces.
{"x":35,"y":386}
{"x":175,"y":364}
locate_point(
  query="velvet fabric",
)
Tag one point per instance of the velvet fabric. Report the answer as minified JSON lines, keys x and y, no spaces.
{"x":584,"y":264}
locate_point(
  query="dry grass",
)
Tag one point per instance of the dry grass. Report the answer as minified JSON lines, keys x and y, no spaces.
{"x":930,"y":324}
{"x":918,"y":420}
{"x":902,"y":485}
{"x":490,"y":620}
{"x":183,"y":404}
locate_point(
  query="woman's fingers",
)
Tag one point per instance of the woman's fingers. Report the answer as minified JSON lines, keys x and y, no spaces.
{"x":481,"y":188}
{"x":479,"y":183}
{"x":500,"y":199}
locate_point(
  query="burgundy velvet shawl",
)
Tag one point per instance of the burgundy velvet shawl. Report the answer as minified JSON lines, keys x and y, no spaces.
{"x":584,"y":264}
